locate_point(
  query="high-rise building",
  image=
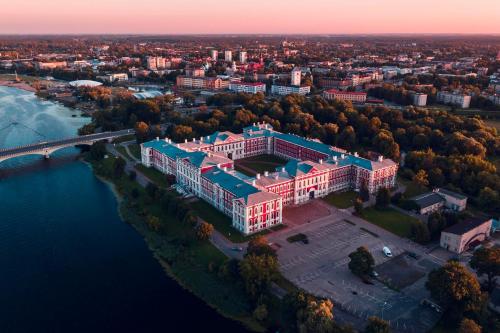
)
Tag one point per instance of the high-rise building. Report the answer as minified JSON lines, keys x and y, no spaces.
{"x":296,"y":76}
{"x":228,"y":55}
{"x":154,"y":63}
{"x":460,"y":100}
{"x":214,"y":54}
{"x":243,"y":57}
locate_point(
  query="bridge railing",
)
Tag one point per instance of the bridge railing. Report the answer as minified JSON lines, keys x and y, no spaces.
{"x":67,"y":141}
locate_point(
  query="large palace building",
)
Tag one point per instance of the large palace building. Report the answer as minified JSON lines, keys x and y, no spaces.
{"x":205,"y":168}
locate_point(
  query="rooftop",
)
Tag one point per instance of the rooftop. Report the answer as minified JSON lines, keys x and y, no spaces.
{"x":467,"y":225}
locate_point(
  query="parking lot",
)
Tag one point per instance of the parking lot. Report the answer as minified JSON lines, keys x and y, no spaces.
{"x":320,"y":266}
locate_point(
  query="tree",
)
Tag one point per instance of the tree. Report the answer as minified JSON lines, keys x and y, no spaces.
{"x":489,"y":198}
{"x":260,"y":246}
{"x":87,"y":129}
{"x":420,"y":178}
{"x":204,"y":230}
{"x":347,"y":138}
{"x":363,"y":192}
{"x":153,"y":222}
{"x":260,"y":313}
{"x":258,"y":272}
{"x":420,"y":232}
{"x":436,"y":223}
{"x":119,"y":167}
{"x":469,"y":326}
{"x":151,"y":190}
{"x":362,"y":262}
{"x":132,"y":175}
{"x":358,"y":206}
{"x":487,"y":261}
{"x":98,"y":150}
{"x":377,"y":325}
{"x":383,"y":198}
{"x":455,"y":288}
{"x":317,"y":317}
{"x":141,"y":131}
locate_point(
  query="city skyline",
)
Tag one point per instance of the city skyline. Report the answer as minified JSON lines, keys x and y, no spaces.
{"x":278,"y":17}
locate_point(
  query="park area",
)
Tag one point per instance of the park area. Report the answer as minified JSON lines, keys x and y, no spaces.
{"x":391,"y":220}
{"x":341,"y":200}
{"x":253,"y":165}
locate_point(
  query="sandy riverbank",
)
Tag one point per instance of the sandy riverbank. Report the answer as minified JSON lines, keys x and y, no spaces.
{"x":18,"y":85}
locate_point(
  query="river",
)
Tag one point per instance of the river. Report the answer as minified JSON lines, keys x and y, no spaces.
{"x":67,"y":261}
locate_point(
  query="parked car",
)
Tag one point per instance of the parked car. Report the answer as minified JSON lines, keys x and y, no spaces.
{"x":237,"y":248}
{"x":374,"y":274}
{"x":387,"y":251}
{"x":413,"y":255}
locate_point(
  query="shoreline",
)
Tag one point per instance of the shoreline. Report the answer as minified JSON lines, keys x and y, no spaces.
{"x":19,"y":85}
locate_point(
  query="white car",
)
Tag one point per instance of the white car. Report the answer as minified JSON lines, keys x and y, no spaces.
{"x":387,"y":251}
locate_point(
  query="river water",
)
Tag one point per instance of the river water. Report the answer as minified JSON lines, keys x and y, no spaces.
{"x":67,"y":261}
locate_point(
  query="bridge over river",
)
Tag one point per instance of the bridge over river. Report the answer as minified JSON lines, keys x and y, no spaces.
{"x":47,"y":148}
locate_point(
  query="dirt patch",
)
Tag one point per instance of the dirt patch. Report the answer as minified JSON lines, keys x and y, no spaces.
{"x":305,"y":213}
{"x":399,"y":272}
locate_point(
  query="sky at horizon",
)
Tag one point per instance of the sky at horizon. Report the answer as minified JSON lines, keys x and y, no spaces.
{"x":255,"y":17}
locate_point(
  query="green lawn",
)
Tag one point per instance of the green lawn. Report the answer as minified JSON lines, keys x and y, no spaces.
{"x":259,"y":164}
{"x":154,"y":175}
{"x":222,"y":223}
{"x":391,"y":220}
{"x":341,"y":200}
{"x":135,"y":150}
{"x":122,"y":151}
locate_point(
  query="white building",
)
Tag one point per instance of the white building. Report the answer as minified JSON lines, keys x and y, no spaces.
{"x":114,"y":77}
{"x":296,"y":77}
{"x":287,"y":90}
{"x":154,"y":63}
{"x":243,"y":57}
{"x":228,"y":55}
{"x":214,"y":55}
{"x":419,"y":99}
{"x":466,"y":235}
{"x":460,"y":100}
{"x":247,"y":87}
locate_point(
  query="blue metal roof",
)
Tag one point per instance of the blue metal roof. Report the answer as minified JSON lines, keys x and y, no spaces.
{"x":230,"y":183}
{"x":171,"y":150}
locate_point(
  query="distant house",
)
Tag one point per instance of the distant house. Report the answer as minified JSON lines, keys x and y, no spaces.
{"x":466,"y":234}
{"x":428,"y":202}
{"x":453,"y":201}
{"x":434,"y":201}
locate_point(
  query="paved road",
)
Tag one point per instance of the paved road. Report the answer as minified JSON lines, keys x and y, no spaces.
{"x":69,"y":141}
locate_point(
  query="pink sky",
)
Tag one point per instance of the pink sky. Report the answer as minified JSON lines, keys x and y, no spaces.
{"x":256,"y":16}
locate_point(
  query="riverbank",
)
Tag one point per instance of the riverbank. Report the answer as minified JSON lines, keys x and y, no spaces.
{"x":195,"y":265}
{"x":18,"y":85}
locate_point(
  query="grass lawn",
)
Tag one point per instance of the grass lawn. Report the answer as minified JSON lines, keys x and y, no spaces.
{"x":412,"y":189}
{"x":222,"y":223}
{"x":258,"y":164}
{"x":135,"y":150}
{"x":154,"y":175}
{"x":122,"y":151}
{"x":341,"y":200}
{"x":391,"y":220}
